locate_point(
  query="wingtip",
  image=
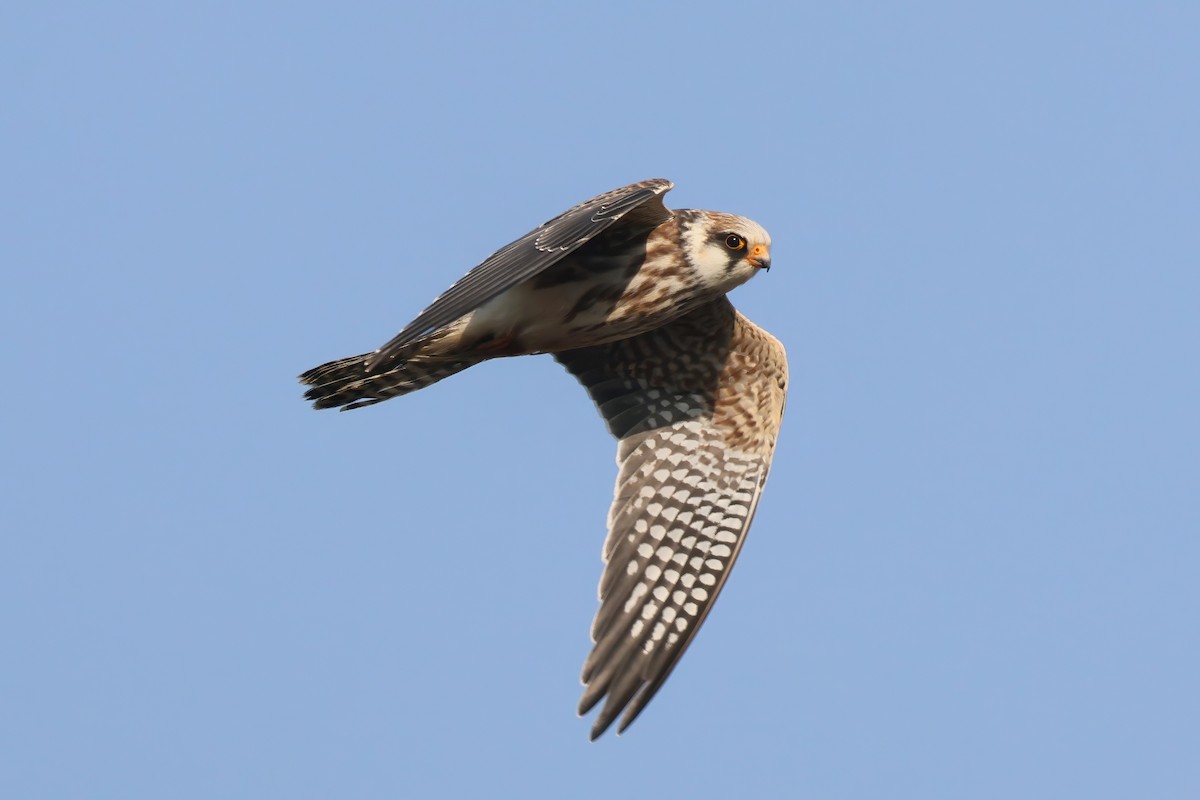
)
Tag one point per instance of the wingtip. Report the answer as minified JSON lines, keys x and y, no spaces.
{"x":604,"y":719}
{"x":588,"y":701}
{"x":601,"y":725}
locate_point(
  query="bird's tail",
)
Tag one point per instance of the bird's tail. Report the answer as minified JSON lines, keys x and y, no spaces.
{"x":347,"y":383}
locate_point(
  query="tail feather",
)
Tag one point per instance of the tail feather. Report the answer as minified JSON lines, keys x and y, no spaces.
{"x":347,"y":383}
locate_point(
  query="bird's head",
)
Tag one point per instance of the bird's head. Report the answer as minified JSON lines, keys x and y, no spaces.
{"x":727,"y":250}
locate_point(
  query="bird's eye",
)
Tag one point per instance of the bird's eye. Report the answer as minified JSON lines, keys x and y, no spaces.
{"x":734,"y":242}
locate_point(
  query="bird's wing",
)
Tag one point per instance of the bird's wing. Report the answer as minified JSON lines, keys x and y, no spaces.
{"x":696,"y":407}
{"x":639,"y":203}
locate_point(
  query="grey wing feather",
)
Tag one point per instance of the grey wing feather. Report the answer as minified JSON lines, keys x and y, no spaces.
{"x":546,"y":245}
{"x":696,"y":406}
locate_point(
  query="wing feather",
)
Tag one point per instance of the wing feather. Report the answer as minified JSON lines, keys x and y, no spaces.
{"x":696,"y":407}
{"x":638,"y":204}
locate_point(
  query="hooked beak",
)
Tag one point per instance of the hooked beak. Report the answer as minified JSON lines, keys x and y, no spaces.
{"x":760,"y":257}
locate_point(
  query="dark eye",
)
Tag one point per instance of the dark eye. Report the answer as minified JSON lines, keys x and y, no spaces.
{"x":734,"y":242}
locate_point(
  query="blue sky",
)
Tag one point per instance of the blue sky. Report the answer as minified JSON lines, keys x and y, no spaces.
{"x":973,"y":573}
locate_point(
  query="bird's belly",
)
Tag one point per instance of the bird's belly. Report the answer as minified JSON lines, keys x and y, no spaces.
{"x":535,"y":317}
{"x":529,"y":319}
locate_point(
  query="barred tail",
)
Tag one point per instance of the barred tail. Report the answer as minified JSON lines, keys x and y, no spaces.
{"x":347,"y":383}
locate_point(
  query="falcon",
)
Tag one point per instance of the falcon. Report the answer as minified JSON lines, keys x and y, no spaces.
{"x":629,"y":296}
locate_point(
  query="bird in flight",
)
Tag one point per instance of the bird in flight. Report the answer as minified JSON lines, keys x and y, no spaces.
{"x":629,"y":296}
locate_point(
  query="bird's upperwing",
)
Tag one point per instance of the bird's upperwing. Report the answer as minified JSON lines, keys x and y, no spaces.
{"x":696,"y":407}
{"x":639,"y":203}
